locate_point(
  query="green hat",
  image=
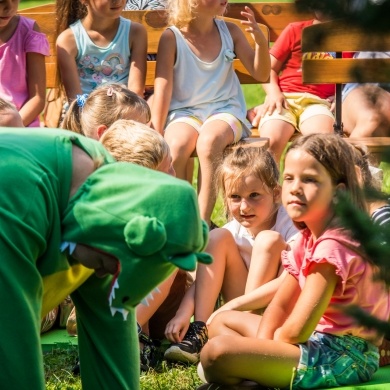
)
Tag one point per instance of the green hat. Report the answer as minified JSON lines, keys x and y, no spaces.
{"x":148,"y":220}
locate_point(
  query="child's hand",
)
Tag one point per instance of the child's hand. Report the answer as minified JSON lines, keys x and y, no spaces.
{"x":177,"y":328}
{"x":332,"y":101}
{"x":271,"y":103}
{"x":253,"y":27}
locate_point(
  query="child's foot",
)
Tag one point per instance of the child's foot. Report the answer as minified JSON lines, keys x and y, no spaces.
{"x":149,"y":353}
{"x":189,"y":349}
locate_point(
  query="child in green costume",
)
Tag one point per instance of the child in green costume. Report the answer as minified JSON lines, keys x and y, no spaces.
{"x":130,"y":225}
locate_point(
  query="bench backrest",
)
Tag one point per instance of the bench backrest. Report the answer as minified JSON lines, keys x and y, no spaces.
{"x":334,"y":36}
{"x":272,"y":18}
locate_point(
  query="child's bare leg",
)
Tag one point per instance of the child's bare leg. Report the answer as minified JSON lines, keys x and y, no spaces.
{"x":181,"y":138}
{"x":212,"y":141}
{"x":231,"y":359}
{"x":279,"y":133}
{"x":234,"y":323}
{"x":317,"y":124}
{"x":145,"y":312}
{"x":227,"y":273}
{"x":265,"y":260}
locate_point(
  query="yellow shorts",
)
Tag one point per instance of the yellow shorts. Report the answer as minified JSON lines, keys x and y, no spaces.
{"x":302,"y":106}
{"x":198,"y":125}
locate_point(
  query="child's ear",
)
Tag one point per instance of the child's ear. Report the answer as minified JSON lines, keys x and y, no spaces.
{"x":277,"y":192}
{"x":100,"y":130}
{"x":340,"y":187}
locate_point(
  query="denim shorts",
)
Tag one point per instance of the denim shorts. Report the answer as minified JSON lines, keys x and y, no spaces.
{"x":332,"y":361}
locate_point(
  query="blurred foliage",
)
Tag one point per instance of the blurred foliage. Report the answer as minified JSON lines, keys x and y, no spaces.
{"x":369,"y":14}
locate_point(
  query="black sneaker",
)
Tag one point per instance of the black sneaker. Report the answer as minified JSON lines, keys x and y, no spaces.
{"x":149,"y":353}
{"x":189,"y":349}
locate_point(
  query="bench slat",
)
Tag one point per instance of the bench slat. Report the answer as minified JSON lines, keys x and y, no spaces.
{"x":347,"y":70}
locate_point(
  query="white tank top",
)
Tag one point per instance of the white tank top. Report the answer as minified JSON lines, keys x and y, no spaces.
{"x":206,"y":88}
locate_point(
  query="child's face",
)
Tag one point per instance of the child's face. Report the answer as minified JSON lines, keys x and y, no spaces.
{"x":166,"y":165}
{"x":10,"y":118}
{"x":218,"y":5}
{"x":252,"y":204}
{"x":307,"y":190}
{"x":112,"y":8}
{"x":8,"y":9}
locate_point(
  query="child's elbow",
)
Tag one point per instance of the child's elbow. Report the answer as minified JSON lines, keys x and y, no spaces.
{"x":292,"y":336}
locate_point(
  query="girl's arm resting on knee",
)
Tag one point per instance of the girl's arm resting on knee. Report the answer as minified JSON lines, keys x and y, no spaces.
{"x":257,"y":61}
{"x":311,"y":304}
{"x":66,"y":57}
{"x":36,"y":81}
{"x":138,"y":49}
{"x":255,"y":300}
{"x":163,"y":84}
{"x":177,"y":327}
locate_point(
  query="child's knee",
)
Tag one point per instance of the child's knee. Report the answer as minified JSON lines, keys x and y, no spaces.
{"x":269,"y":239}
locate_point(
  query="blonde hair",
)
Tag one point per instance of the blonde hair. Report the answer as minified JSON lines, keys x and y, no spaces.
{"x":246,"y":161}
{"x":134,"y":142}
{"x":105,"y":105}
{"x":180,"y":12}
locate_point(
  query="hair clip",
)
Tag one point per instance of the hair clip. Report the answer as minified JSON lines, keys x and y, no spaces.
{"x":81,"y":99}
{"x":110,"y":91}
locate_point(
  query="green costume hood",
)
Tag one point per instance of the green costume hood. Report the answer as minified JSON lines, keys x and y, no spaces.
{"x":148,"y":220}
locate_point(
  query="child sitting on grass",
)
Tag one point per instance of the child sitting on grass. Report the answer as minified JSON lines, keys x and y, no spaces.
{"x":250,"y":244}
{"x":304,"y":339}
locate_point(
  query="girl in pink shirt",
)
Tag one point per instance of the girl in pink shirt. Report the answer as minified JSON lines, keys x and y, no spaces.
{"x":22,"y":63}
{"x":305,"y":339}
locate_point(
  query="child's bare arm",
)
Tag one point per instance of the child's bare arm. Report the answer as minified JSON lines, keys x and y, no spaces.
{"x":177,"y":327}
{"x":311,"y":304}
{"x":138,"y":43}
{"x":257,"y":61}
{"x":255,"y":300}
{"x":36,"y":81}
{"x":163,"y":84}
{"x":66,"y":57}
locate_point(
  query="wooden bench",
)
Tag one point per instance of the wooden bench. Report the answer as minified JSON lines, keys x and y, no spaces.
{"x":335,"y":37}
{"x":272,"y":18}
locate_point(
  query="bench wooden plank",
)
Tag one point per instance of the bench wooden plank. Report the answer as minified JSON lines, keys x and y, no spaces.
{"x":339,"y":71}
{"x":155,"y":24}
{"x":335,"y":37}
{"x":274,"y":15}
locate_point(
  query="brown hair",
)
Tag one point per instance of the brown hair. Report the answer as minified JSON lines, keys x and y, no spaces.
{"x":68,"y":12}
{"x":245,"y":161}
{"x":105,"y":105}
{"x":134,"y":142}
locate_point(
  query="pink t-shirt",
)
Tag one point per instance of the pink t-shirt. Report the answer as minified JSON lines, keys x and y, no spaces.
{"x":355,"y":285}
{"x":287,"y":49}
{"x":13,"y":79}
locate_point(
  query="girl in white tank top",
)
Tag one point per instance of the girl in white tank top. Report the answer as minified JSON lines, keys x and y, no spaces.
{"x":198,"y":103}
